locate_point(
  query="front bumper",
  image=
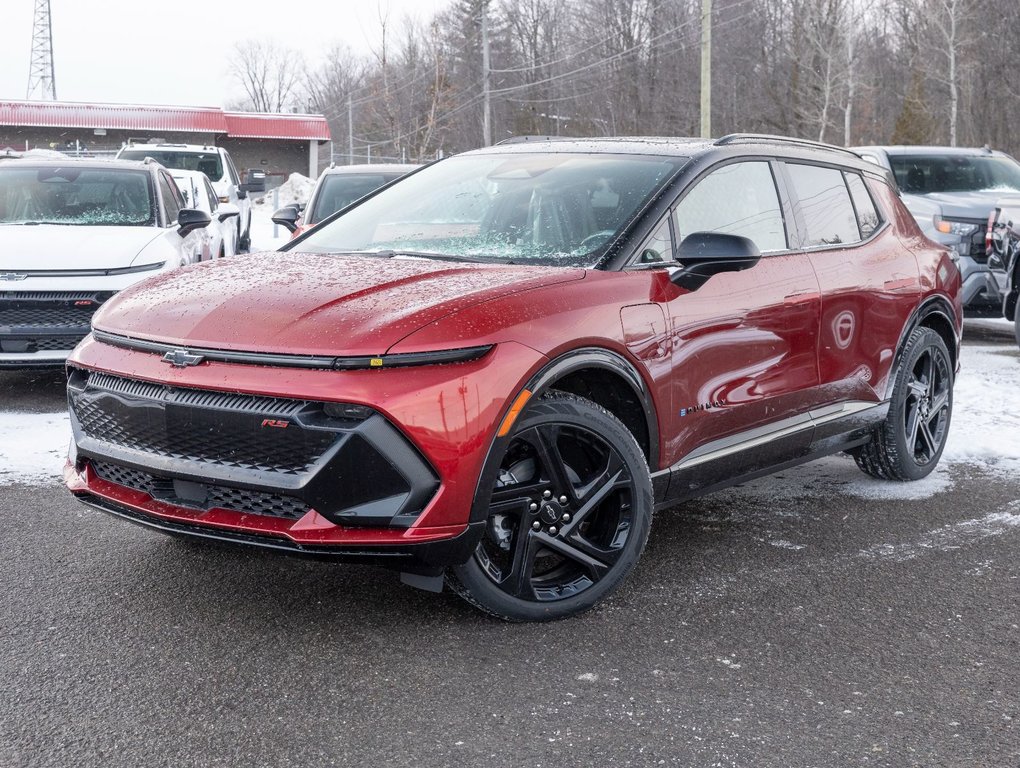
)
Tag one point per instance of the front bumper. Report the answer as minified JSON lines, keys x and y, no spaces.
{"x":980,"y":285}
{"x":154,"y":459}
{"x":425,"y":553}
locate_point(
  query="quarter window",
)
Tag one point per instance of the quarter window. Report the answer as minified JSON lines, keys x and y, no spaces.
{"x":658,"y":247}
{"x":867,"y":214}
{"x":737,"y":199}
{"x":824,"y":205}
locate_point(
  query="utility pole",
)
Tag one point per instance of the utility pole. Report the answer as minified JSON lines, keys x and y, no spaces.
{"x":706,"y":69}
{"x":486,"y":116}
{"x":350,"y":129}
{"x":41,"y":82}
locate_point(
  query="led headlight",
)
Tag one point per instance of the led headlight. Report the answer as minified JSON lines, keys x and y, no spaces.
{"x":959,"y":228}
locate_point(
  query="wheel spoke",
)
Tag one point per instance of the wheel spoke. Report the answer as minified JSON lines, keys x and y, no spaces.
{"x":595,"y":567}
{"x":597,"y":491}
{"x":518,"y":581}
{"x":913,"y":422}
{"x":927,"y":372}
{"x":602,"y":554}
{"x":543,"y":438}
{"x":929,"y":439}
{"x":516,"y":492}
{"x":940,"y":402}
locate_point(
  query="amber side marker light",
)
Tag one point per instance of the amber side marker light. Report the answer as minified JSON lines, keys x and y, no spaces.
{"x":514,"y":412}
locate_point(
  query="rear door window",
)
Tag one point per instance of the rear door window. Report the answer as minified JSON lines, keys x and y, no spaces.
{"x":823,"y":202}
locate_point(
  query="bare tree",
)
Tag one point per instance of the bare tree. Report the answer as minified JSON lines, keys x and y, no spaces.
{"x":954,"y":21}
{"x":272,"y":76}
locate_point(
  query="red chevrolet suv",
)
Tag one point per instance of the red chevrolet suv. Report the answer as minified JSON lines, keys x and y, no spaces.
{"x":493,"y":371}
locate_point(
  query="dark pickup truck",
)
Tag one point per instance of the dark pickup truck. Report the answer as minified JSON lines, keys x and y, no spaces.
{"x":1003,"y":248}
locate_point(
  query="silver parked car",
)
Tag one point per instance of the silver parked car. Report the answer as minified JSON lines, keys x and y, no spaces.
{"x":964,"y":184}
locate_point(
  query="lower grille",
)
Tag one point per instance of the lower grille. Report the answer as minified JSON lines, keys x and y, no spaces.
{"x":220,"y":428}
{"x":55,"y":343}
{"x":202,"y":495}
{"x":28,"y":345}
{"x":42,"y":316}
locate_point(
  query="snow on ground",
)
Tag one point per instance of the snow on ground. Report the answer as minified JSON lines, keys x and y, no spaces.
{"x":985,"y":433}
{"x":266,"y":236}
{"x":33,"y":446}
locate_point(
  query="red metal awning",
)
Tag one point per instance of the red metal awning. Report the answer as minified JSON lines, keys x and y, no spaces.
{"x":140,"y":117}
{"x":257,"y":125}
{"x":65,"y":114}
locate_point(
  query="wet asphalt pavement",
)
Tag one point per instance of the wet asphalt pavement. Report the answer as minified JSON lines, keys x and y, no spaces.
{"x":792,"y":622}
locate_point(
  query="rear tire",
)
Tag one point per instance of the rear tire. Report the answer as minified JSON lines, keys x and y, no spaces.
{"x":909,"y":443}
{"x":568,"y":517}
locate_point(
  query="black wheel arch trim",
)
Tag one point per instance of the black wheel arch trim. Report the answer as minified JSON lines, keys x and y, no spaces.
{"x":932,"y":306}
{"x":541,"y":382}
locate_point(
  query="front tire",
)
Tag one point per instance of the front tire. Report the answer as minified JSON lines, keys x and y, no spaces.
{"x":909,"y":443}
{"x":568,"y":516}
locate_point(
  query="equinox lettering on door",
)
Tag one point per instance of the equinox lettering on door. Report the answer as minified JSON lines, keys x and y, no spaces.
{"x":699,"y":407}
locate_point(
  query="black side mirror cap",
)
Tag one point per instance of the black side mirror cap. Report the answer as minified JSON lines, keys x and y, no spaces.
{"x":190,"y":219}
{"x":287,"y":217}
{"x":703,"y":254}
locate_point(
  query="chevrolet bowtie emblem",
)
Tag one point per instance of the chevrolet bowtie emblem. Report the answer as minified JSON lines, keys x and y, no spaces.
{"x":12,"y":276}
{"x":182,"y":358}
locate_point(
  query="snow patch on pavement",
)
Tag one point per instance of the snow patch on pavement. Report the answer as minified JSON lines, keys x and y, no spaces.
{"x":985,"y":430}
{"x":947,"y":537}
{"x":33,"y":446}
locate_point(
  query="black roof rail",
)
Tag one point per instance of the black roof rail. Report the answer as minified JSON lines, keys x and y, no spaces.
{"x":738,"y":138}
{"x":525,"y":139}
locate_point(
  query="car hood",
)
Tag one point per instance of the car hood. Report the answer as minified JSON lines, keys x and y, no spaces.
{"x":26,"y":247}
{"x":964,"y":205}
{"x":311,"y":304}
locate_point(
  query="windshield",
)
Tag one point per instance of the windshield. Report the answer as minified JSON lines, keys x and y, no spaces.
{"x":206,"y":162}
{"x":78,"y":196}
{"x":341,"y":189}
{"x":921,"y":174}
{"x":557,"y":209}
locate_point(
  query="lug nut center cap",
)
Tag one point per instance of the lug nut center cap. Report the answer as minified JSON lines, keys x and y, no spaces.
{"x":550,"y":512}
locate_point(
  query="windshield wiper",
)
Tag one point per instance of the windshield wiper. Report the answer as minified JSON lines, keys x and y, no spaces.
{"x":390,"y":253}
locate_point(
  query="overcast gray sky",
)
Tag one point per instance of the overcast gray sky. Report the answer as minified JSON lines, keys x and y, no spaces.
{"x":177,"y":51}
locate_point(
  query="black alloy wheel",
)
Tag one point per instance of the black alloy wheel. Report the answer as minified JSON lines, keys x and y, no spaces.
{"x":926,"y":408}
{"x":910,"y":442}
{"x":568,"y":515}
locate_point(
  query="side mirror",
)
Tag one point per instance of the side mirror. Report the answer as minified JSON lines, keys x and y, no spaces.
{"x":190,"y":219}
{"x":287,"y":217}
{"x":225,"y":210}
{"x":703,"y":254}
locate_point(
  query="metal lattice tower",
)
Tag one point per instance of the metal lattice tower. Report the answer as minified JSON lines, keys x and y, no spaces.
{"x":41,"y":83}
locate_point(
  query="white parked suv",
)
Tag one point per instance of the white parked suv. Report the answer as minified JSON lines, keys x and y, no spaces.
{"x":215,"y":163}
{"x":72,"y":234}
{"x":219,"y":239}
